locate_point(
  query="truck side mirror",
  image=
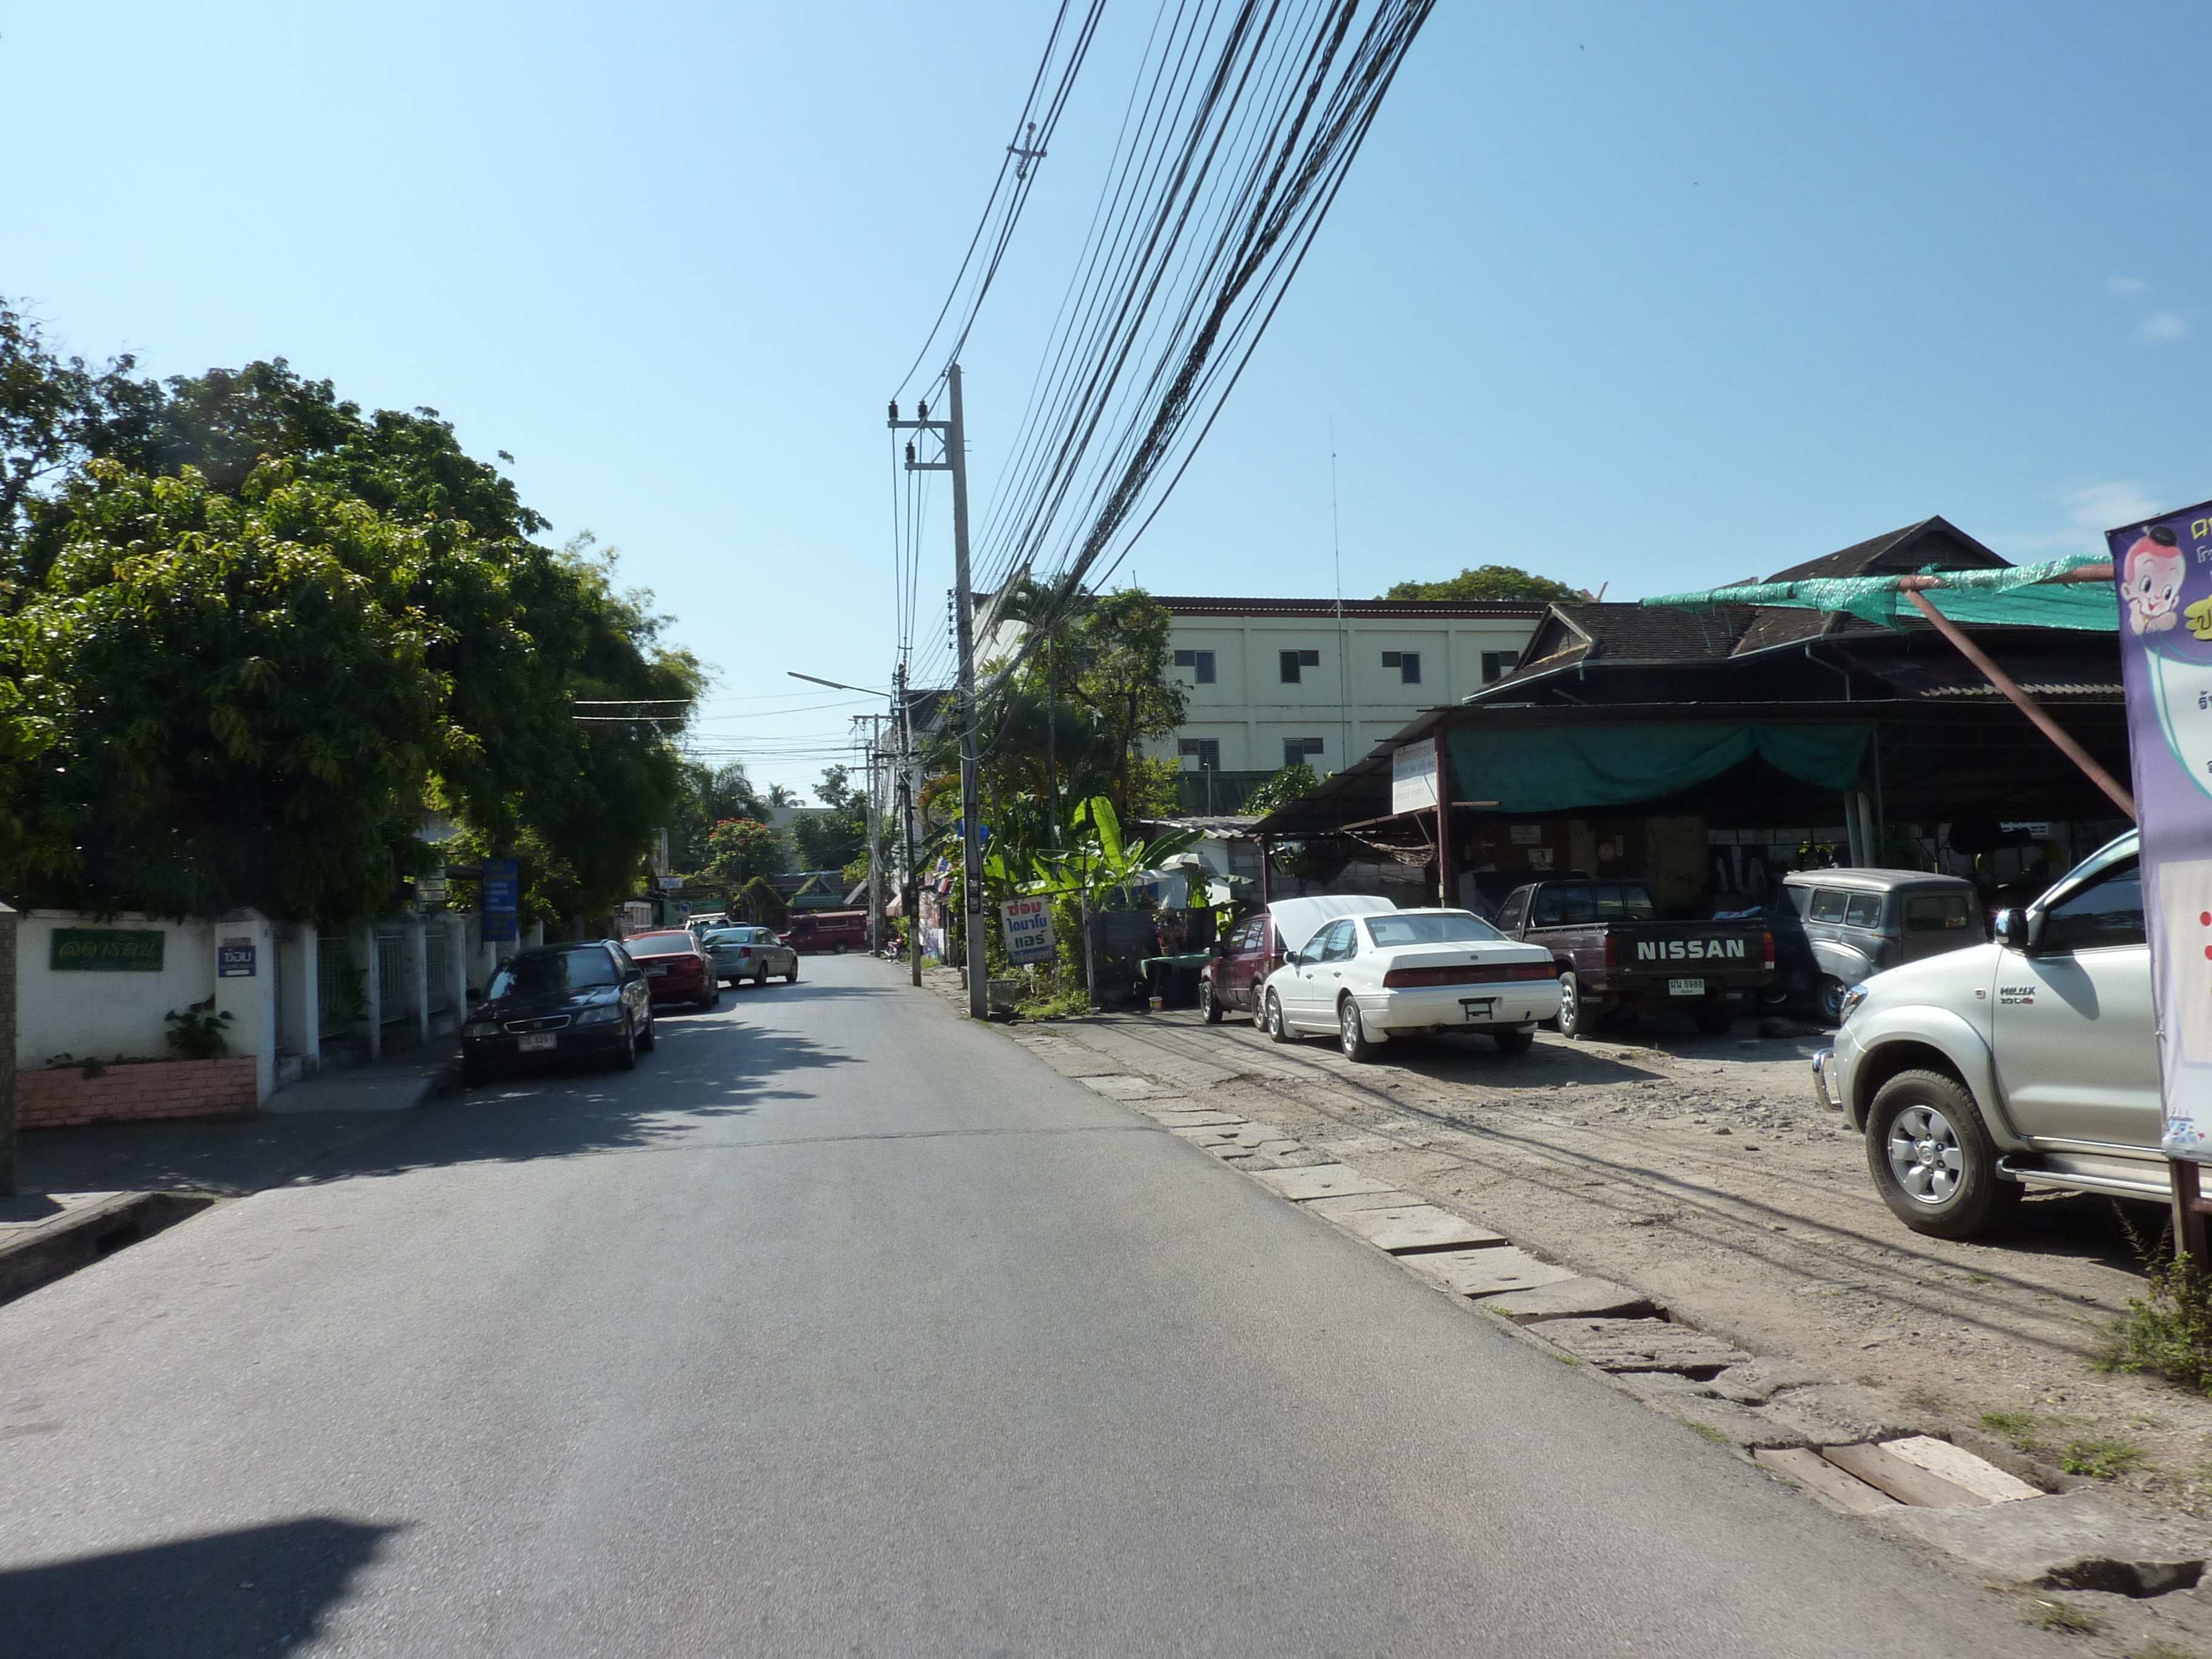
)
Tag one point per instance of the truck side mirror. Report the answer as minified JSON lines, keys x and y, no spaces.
{"x":2011,"y":928}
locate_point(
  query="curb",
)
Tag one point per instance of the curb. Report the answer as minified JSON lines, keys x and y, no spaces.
{"x":78,"y":1237}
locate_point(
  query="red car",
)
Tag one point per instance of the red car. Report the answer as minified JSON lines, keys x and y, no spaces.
{"x":836,"y":930}
{"x":675,"y":970}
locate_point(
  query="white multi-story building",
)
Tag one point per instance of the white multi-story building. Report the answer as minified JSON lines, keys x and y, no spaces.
{"x":1274,"y":682}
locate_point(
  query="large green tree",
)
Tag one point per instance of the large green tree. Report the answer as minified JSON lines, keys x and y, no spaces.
{"x":212,"y":585}
{"x":1491,"y":581}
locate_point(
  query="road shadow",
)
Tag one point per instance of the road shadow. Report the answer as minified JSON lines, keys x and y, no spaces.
{"x":699,"y":1070}
{"x":242,"y":1594}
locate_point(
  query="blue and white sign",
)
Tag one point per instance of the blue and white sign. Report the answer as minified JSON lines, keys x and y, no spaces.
{"x":234,"y":962}
{"x":1028,"y":922}
{"x":501,"y":899}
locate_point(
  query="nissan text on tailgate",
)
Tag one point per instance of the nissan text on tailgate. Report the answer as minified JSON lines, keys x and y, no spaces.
{"x":1615,"y":952}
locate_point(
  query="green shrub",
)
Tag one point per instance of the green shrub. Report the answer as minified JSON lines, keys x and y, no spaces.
{"x":197,"y":1033}
{"x":2167,"y":1331}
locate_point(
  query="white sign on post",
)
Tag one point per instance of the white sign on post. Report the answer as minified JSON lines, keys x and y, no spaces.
{"x":1413,"y":778}
{"x":1028,"y":922}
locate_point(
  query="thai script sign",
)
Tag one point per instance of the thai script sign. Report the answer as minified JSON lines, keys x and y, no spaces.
{"x":234,"y":962}
{"x":502,"y":895}
{"x":1413,"y":778}
{"x":2164,"y":572}
{"x":106,"y":950}
{"x":1028,"y":923}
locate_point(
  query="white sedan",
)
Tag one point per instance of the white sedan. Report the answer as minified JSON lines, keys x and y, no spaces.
{"x":1410,"y":973}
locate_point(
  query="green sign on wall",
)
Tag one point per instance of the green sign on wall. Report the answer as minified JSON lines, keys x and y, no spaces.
{"x":106,"y":950}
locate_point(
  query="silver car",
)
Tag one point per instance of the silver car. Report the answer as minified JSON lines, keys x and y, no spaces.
{"x":749,"y":952}
{"x":1835,"y":927}
{"x":2031,"y":1059}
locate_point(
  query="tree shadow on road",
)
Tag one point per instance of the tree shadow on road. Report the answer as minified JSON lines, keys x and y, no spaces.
{"x":259,"y":1590}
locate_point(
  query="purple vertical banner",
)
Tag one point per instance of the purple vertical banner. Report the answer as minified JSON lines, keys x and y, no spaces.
{"x":2163,"y":569}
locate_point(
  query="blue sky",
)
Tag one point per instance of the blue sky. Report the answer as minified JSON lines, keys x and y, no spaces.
{"x":1640,"y":296}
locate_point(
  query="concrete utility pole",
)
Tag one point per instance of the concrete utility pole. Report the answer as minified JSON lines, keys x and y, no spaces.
{"x":7,"y":1052}
{"x":953,"y":434}
{"x":910,"y":890}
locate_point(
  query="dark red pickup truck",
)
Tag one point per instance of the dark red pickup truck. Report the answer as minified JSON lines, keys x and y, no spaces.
{"x":1615,"y":952}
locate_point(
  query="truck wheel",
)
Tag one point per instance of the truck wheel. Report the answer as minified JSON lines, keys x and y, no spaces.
{"x":1574,"y":1018}
{"x":1352,"y":1034}
{"x":838,"y":949}
{"x":1931,"y":1158}
{"x":1828,"y":996}
{"x":1207,"y":1005}
{"x":1514,"y":1042}
{"x":1715,"y":1021}
{"x":1271,"y":1020}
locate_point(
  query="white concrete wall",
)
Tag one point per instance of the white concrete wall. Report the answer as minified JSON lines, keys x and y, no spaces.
{"x":100,"y":1015}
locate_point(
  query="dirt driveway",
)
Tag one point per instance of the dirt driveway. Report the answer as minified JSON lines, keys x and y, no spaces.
{"x":1702,"y":1171}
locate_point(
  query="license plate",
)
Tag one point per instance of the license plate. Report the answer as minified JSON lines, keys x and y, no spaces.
{"x":656,"y":970}
{"x":1478,"y":1007}
{"x":1686,"y":987}
{"x":538,"y":1042}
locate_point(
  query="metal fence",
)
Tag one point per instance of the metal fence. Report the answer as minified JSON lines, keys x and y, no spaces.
{"x":394,"y":996}
{"x":337,"y":998}
{"x":438,"y":961}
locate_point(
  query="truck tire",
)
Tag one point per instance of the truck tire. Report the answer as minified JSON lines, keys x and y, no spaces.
{"x":1207,"y":1005}
{"x":1931,"y":1158}
{"x":1513,"y":1042}
{"x":1576,"y":1017}
{"x":1352,"y":1033}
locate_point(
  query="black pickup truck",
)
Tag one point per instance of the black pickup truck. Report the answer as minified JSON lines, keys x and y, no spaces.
{"x":1613,"y":952}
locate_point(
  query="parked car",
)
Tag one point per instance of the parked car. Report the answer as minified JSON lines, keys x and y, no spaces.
{"x":1615,"y":952}
{"x":675,"y":968}
{"x":2029,"y":1059}
{"x":1254,"y":947}
{"x":558,"y":1002}
{"x":1835,"y":927}
{"x":1412,"y":973}
{"x":753,"y":953}
{"x":833,"y":931}
{"x":708,"y":922}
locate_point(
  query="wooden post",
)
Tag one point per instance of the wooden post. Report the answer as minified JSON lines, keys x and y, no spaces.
{"x":1266,"y":858}
{"x":2189,"y":1207}
{"x":7,"y":1052}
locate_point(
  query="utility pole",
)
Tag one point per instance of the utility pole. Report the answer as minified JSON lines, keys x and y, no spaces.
{"x":954,"y":437}
{"x":910,"y":891}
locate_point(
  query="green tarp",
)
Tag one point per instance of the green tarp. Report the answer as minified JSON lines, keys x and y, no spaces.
{"x":2022,"y":596}
{"x":1555,"y":768}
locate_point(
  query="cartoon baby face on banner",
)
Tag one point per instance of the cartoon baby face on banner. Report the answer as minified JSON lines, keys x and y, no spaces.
{"x":2162,"y":572}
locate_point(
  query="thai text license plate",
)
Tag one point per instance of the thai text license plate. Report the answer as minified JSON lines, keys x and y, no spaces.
{"x":656,"y":970}
{"x":537,"y":1042}
{"x":1686,"y":987}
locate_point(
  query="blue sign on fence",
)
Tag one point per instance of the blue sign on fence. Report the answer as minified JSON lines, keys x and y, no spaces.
{"x":501,"y":899}
{"x":234,"y":962}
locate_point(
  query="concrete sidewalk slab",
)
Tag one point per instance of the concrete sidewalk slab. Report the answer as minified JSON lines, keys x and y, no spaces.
{"x":1581,"y":1297}
{"x":1486,"y":1271}
{"x":391,"y":1085}
{"x":1416,"y":1227}
{"x":2076,"y":1540}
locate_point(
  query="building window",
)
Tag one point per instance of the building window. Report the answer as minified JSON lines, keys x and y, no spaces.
{"x":1294,"y":660}
{"x":1408,"y":662}
{"x":1496,"y":665}
{"x":1297,"y":751}
{"x":1201,"y":663}
{"x":1208,"y":750}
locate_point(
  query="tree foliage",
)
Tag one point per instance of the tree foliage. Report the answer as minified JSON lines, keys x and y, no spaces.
{"x":1491,"y":581}
{"x":249,"y":636}
{"x":741,"y":850}
{"x":833,"y":838}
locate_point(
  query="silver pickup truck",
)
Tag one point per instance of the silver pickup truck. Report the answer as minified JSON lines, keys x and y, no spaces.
{"x":2028,"y":1060}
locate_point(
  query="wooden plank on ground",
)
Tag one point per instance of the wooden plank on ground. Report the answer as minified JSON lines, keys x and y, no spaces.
{"x":1908,"y":1483}
{"x":1845,"y":1493}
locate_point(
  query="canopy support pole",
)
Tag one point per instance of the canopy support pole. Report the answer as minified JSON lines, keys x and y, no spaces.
{"x":2026,"y":705}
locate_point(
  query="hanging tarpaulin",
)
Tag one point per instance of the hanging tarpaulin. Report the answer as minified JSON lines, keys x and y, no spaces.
{"x":2018,"y":596}
{"x":2162,"y":571}
{"x":1555,"y":768}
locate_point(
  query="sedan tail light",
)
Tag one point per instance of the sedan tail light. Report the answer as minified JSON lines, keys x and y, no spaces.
{"x":1612,"y":952}
{"x":1770,"y":953}
{"x":1472,"y":973}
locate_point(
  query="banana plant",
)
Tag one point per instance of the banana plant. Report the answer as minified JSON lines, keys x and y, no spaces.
{"x":1100,"y":860}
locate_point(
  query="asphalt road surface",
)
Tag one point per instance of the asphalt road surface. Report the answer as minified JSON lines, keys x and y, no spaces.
{"x":842,"y":1327}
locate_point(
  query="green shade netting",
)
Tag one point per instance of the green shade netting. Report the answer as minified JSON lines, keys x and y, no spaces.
{"x":1556,"y":767}
{"x":2012,"y":595}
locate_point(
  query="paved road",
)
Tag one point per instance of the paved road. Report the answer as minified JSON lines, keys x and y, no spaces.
{"x":842,"y":1326}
